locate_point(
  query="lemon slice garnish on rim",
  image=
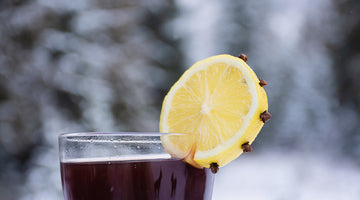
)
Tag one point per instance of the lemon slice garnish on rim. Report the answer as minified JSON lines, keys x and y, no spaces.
{"x":217,"y":103}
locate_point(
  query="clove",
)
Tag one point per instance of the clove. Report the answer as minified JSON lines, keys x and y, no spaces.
{"x":265,"y":116}
{"x":214,"y":167}
{"x":262,"y":83}
{"x":243,"y":57}
{"x":246,"y":147}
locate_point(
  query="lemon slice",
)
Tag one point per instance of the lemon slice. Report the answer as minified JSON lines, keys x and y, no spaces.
{"x":218,"y":103}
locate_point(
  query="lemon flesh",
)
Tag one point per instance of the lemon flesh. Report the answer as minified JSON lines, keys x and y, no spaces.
{"x":217,"y":102}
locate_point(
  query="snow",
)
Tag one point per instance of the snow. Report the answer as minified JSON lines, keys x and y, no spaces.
{"x":110,"y":54}
{"x":296,"y":176}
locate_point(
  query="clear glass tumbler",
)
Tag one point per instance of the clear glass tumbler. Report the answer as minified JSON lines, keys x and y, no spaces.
{"x":130,"y":166}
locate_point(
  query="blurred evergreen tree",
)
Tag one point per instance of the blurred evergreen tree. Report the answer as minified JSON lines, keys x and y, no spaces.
{"x":105,"y":65}
{"x":346,"y":55}
{"x":77,"y":66}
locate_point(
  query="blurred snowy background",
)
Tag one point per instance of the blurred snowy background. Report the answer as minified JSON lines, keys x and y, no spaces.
{"x":105,"y":65}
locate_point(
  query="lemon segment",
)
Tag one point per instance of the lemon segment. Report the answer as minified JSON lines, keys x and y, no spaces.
{"x":218,"y":101}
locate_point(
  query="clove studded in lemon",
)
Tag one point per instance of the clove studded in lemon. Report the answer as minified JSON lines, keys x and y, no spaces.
{"x":221,"y":105}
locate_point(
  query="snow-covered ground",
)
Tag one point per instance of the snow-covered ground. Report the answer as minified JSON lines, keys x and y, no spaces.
{"x":295,"y":176}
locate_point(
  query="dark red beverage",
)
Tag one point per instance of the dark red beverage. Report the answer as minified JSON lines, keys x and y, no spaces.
{"x":135,"y":180}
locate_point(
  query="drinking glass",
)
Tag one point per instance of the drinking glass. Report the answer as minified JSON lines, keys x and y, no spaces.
{"x":130,"y":166}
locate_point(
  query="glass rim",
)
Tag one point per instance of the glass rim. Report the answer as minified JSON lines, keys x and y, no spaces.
{"x":80,"y":134}
{"x":112,"y":146}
